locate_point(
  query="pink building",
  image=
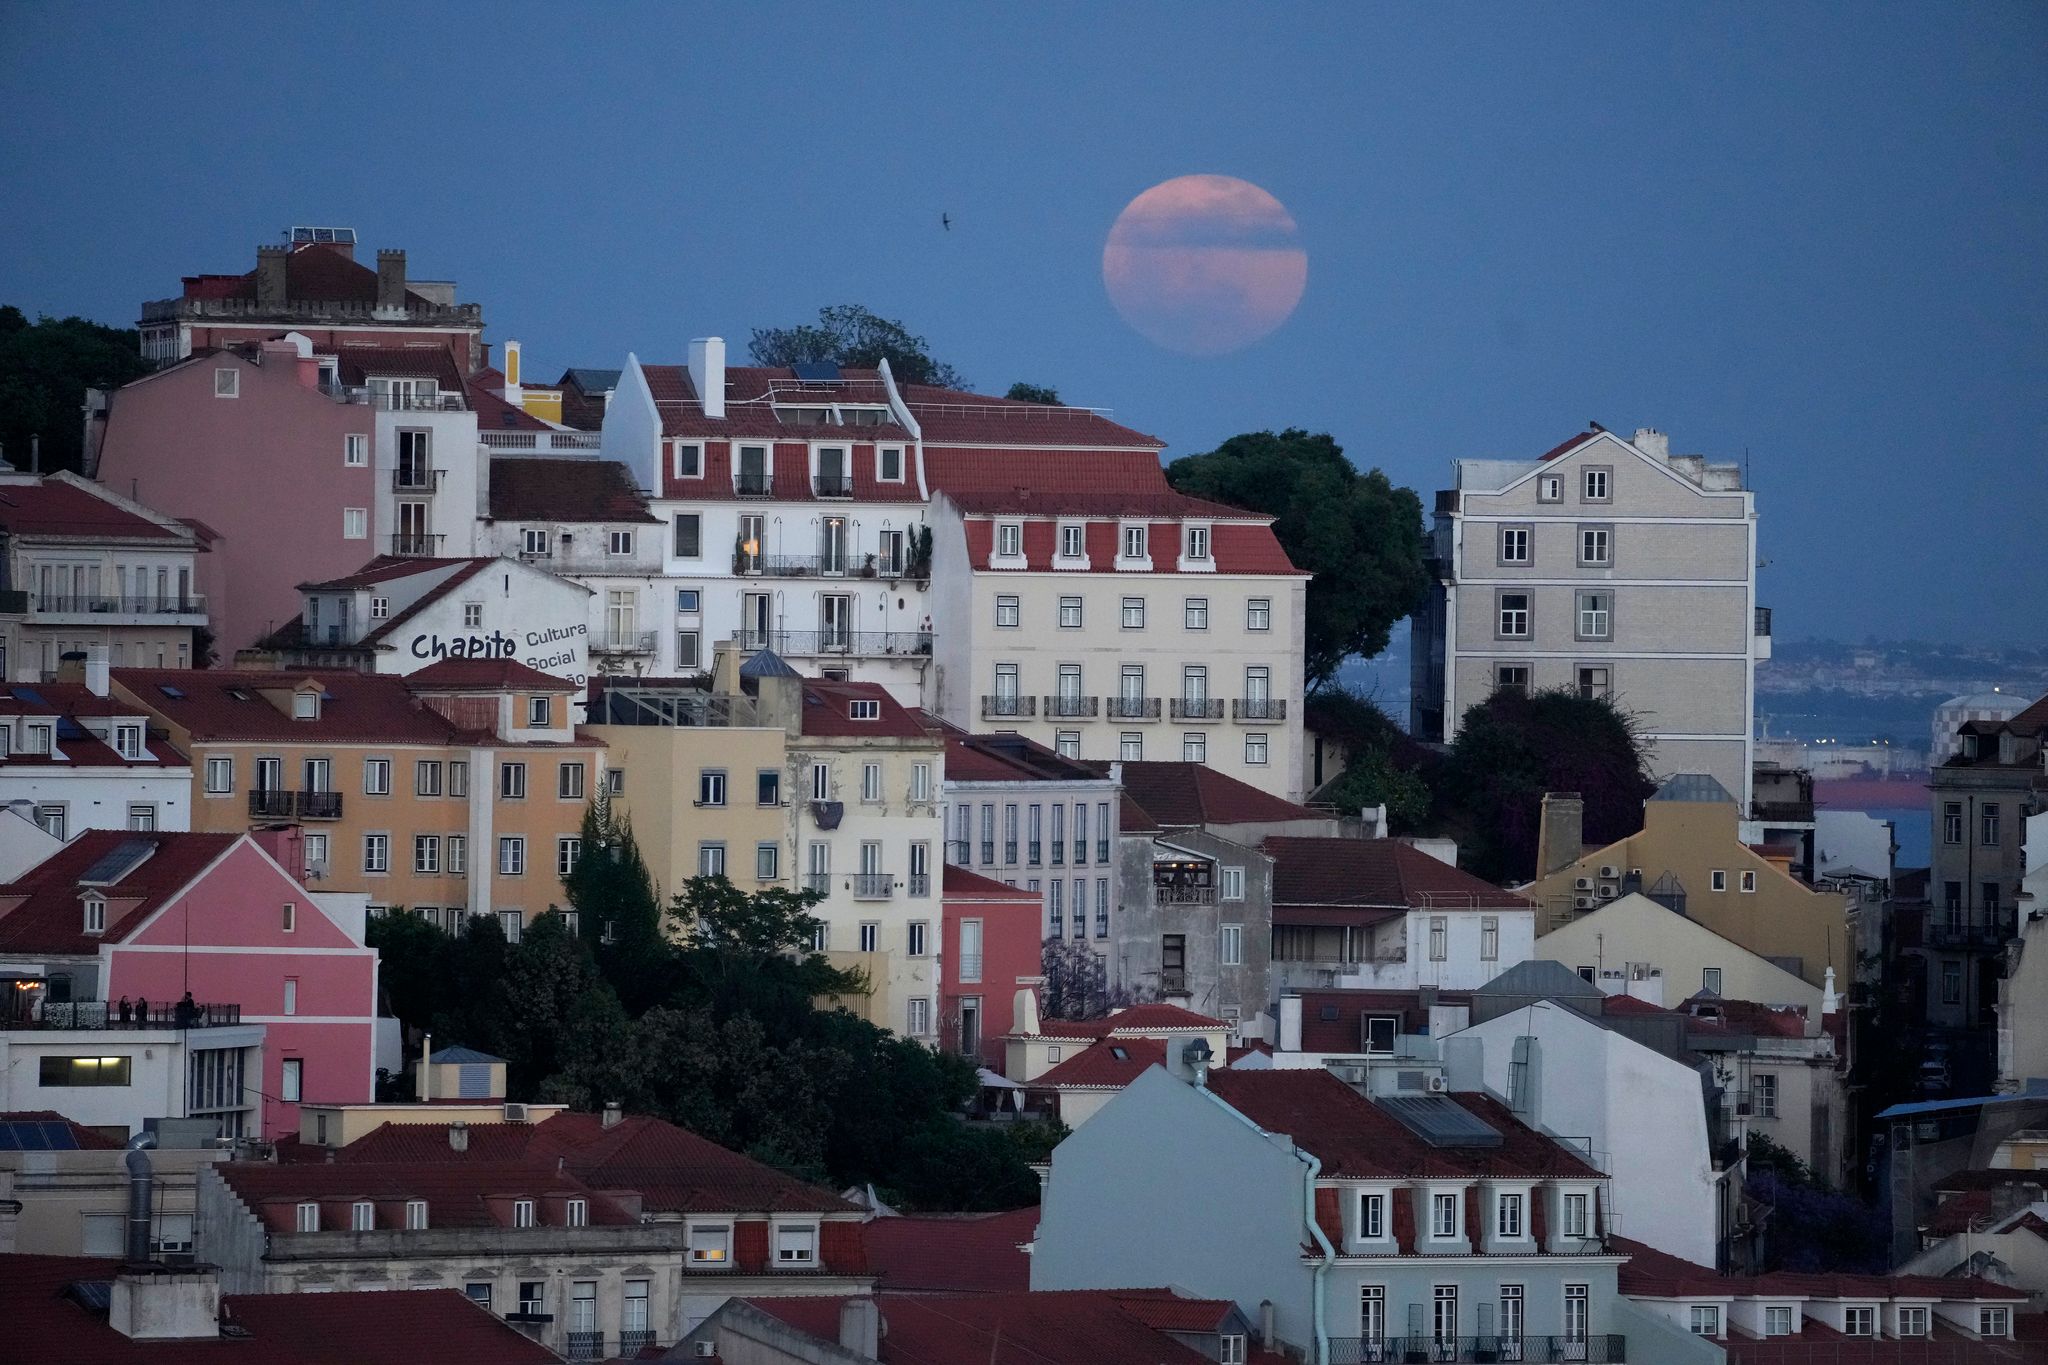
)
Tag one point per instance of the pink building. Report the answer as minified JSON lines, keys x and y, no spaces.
{"x":119,"y":919}
{"x":991,"y":948}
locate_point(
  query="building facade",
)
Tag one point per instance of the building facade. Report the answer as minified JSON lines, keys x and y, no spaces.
{"x":82,"y":760}
{"x":1609,"y":566}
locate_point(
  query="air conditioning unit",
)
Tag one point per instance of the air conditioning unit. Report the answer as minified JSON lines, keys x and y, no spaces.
{"x":1608,"y":872}
{"x":515,"y":1113}
{"x":1583,"y":884}
{"x":706,"y":1349}
{"x":1439,"y":1085}
{"x":1607,"y":893}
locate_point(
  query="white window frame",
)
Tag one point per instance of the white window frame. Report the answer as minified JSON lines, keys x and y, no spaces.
{"x":227,"y":382}
{"x":1009,"y":540}
{"x":1230,"y":945}
{"x":795,"y":1245}
{"x":355,"y":450}
{"x":355,"y":523}
{"x":1258,"y":613}
{"x":1439,"y":1201}
{"x":1009,"y":611}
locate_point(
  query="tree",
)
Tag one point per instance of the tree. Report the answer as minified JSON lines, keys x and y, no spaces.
{"x":851,"y":335}
{"x":1356,"y":532}
{"x":1371,"y":779}
{"x":1514,"y":747}
{"x":1077,"y":983}
{"x":45,"y":368}
{"x":618,"y":913}
{"x":1034,"y":393}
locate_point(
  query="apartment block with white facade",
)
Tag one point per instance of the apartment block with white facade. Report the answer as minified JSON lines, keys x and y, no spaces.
{"x":78,"y":759}
{"x":1609,"y":566}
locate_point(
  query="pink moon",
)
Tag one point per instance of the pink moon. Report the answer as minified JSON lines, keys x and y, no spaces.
{"x":1204,"y":264}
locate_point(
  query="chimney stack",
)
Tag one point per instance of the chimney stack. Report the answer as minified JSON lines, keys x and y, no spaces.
{"x":707,"y":374}
{"x":270,"y":286}
{"x":613,"y":1114}
{"x":1290,"y":1023}
{"x":458,"y":1137}
{"x":512,"y":371}
{"x":1560,"y":832}
{"x":1651,"y":441}
{"x":860,"y":1328}
{"x":391,"y":281}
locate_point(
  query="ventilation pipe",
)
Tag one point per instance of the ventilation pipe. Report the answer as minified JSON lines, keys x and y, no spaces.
{"x":141,"y":1184}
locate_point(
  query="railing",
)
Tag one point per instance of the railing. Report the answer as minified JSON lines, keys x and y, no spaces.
{"x":1183,"y":895}
{"x":1979,"y":934}
{"x":585,"y":1346}
{"x":920,"y":883}
{"x":270,"y":805}
{"x":1173,"y":980}
{"x":144,"y":604}
{"x":1001,"y":706}
{"x":437,"y":400}
{"x":1197,"y":708}
{"x":970,"y":966}
{"x":1131,"y":708}
{"x":1600,"y":1349}
{"x":415,"y":544}
{"x":542,"y":440}
{"x":752,"y":485}
{"x":1258,"y":708}
{"x":416,"y":480}
{"x":633,"y":1343}
{"x":146,"y":1014}
{"x":835,"y":486}
{"x":1782,"y":812}
{"x":320,"y":805}
{"x":1763,"y":621}
{"x":957,"y":851}
{"x":818,"y":883}
{"x":625,"y":642}
{"x":1072,"y":708}
{"x":874,"y":644}
{"x":1102,"y":851}
{"x":873,"y":886}
{"x":536,"y":556}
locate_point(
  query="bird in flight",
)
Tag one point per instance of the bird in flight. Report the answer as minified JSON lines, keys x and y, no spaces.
{"x":946,"y":221}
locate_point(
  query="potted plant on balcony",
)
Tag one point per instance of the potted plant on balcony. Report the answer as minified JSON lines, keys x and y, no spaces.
{"x":867,"y":568}
{"x":921,"y":555}
{"x":739,"y":553}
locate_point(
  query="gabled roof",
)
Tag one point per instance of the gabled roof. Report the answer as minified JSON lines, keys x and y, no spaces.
{"x":1072,"y":1327}
{"x":1376,"y":873}
{"x":360,"y":364}
{"x":1652,"y":1274}
{"x":60,"y":505}
{"x":1542,"y":978}
{"x":1010,"y":758}
{"x":828,"y":712}
{"x":49,"y":916}
{"x":1187,"y":795}
{"x":532,"y":488}
{"x":958,"y":881}
{"x":1692,"y":787}
{"x":1106,"y":1064}
{"x":1330,"y":1020}
{"x":952,"y":1252}
{"x":228,"y":706}
{"x":1357,"y":1139}
{"x":471,"y":1194}
{"x":1153,"y":1017}
{"x":485,"y":675}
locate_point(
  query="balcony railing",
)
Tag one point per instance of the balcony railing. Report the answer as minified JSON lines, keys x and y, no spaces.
{"x":1173,"y":980}
{"x":103,"y":1014}
{"x":1004,"y":707}
{"x":920,"y":883}
{"x":1782,"y":812}
{"x":1197,"y":708}
{"x":633,"y":1343}
{"x":271,"y":805}
{"x":1985,"y":935}
{"x":752,"y":485}
{"x":1131,"y":708}
{"x":865,"y":644}
{"x":873,"y":886}
{"x":1258,"y":708}
{"x":542,"y":440}
{"x":416,"y":544}
{"x":416,"y":480}
{"x":818,"y":883}
{"x":433,"y":400}
{"x":1600,"y":1349}
{"x":1183,"y":895}
{"x":1065,"y":707}
{"x":958,"y":851}
{"x":835,"y":485}
{"x":624,"y":642}
{"x":585,"y":1346}
{"x":1763,"y":621}
{"x":970,"y":966}
{"x":143,"y":604}
{"x":320,"y":805}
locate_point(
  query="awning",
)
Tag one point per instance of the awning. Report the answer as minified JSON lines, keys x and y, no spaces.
{"x":991,"y":1081}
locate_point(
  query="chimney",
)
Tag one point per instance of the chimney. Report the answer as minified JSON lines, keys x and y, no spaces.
{"x":1525,"y":1081}
{"x":391,"y":280}
{"x":1651,"y":441}
{"x":512,"y":371}
{"x":71,"y":667}
{"x":1024,"y":1012}
{"x":160,"y":1303}
{"x":1290,"y":1023}
{"x":780,"y":702}
{"x":707,"y":374}
{"x":1268,"y":1330}
{"x":423,"y":1072}
{"x":458,"y":1137}
{"x":270,"y":285}
{"x":286,"y":844}
{"x":725,"y":668}
{"x":1375,"y":820}
{"x":1560,"y":832}
{"x":860,"y":1328}
{"x":612,"y":1114}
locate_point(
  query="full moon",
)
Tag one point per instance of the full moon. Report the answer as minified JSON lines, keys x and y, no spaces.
{"x":1204,"y":264}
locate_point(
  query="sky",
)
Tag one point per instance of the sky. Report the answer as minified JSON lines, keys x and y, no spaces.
{"x":1812,"y":238}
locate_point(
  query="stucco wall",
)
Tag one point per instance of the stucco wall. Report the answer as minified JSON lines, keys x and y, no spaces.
{"x":1636,"y":929}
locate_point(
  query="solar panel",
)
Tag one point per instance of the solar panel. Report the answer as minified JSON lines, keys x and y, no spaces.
{"x":96,"y":1295}
{"x":118,"y":862}
{"x":174,"y":693}
{"x":816,"y":371}
{"x":68,"y":728}
{"x":31,"y":696}
{"x":1440,"y":1120}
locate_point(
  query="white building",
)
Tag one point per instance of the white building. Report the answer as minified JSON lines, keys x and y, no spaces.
{"x":1950,"y":717}
{"x":72,"y":758}
{"x":1610,"y":566}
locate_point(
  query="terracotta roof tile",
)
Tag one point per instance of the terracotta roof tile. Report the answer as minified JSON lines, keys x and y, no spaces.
{"x":1377,"y":873}
{"x":1074,"y":1327}
{"x":1331,"y":1020}
{"x":225,"y":705}
{"x":360,"y":364}
{"x":61,"y":507}
{"x":953,"y":1253}
{"x":1106,"y":1064}
{"x":459,"y":1194}
{"x":1194,"y":794}
{"x":1654,"y":1274}
{"x":526,"y":488}
{"x":1155,"y":1016}
{"x":49,"y":916}
{"x":958,"y":881}
{"x":495,"y":675}
{"x":828,"y":712}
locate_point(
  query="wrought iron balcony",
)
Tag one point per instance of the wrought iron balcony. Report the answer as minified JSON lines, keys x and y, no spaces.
{"x":416,"y":480}
{"x":1987,"y":934}
{"x":1131,"y":708}
{"x":873,"y":886}
{"x":920,"y":883}
{"x":105,"y":1014}
{"x":999,"y":707}
{"x":1603,"y":1348}
{"x":1063,"y":707}
{"x":624,"y":642}
{"x":818,"y":883}
{"x":320,"y":805}
{"x":752,"y":485}
{"x":585,"y":1346}
{"x":864,"y":644}
{"x":958,"y":851}
{"x":1183,"y":895}
{"x":1763,"y":621}
{"x":416,"y":545}
{"x":631,"y":1344}
{"x":139,"y":604}
{"x":1258,"y":708}
{"x":271,"y":805}
{"x":1197,"y":708}
{"x":835,"y":485}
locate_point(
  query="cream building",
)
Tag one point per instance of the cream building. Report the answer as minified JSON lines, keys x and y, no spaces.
{"x":1122,"y":626}
{"x":1635,"y":946}
{"x":1610,"y":566}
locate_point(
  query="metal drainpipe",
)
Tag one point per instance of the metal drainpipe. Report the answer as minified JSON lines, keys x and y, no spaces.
{"x":141,"y":1180}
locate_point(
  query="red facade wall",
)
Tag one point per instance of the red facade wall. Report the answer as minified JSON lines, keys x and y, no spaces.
{"x":1010,"y":937}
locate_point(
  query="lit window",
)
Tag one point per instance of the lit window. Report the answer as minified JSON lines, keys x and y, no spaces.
{"x":711,"y":1245}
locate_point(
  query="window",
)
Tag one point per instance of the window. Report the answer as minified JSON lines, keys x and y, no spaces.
{"x":362,"y":1216}
{"x":512,"y":781}
{"x":1749,"y":881}
{"x":472,"y":615}
{"x":1489,"y":938}
{"x":1577,"y":1314}
{"x":1067,"y":743}
{"x":1231,"y":945}
{"x":767,"y":862}
{"x":1717,"y":879}
{"x":426,"y":853}
{"x":1596,"y":615}
{"x":308,"y":1217}
{"x":1512,"y":617}
{"x":1912,"y":1322}
{"x":711,"y":787}
{"x":1444,"y":1322}
{"x":1859,"y":1321}
{"x":532,"y":1297}
{"x":416,"y":1221}
{"x":568,"y":849}
{"x":1952,"y":822}
{"x":1951,"y":983}
{"x":1514,"y":545}
{"x":1507,"y":1222}
{"x":1763,"y":1091}
{"x":522,"y":1213}
{"x":569,"y":781}
{"x":426,"y":777}
{"x":288,"y":917}
{"x":291,"y":995}
{"x":1230,"y":1349}
{"x":689,"y":649}
{"x":512,"y":856}
{"x":1596,"y":483}
{"x":1439,"y":938}
{"x":1550,"y":488}
{"x":533,"y":543}
{"x":1994,"y":1322}
{"x":1130,"y":746}
{"x":227,"y":383}
{"x":377,"y":776}
{"x":686,"y":460}
{"x":621,"y":543}
{"x":864,"y":710}
{"x":1710,"y":980}
{"x":1511,"y":678}
{"x":871,"y":783}
{"x":142,"y":815}
{"x":578,"y":1213}
{"x":768,"y":787}
{"x":1009,"y":612}
{"x":821,"y":782}
{"x":711,"y":1245}
{"x":919,"y":1016}
{"x":920,"y":781}
{"x":1255,"y":749}
{"x":1231,"y":882}
{"x":1595,"y":546}
{"x":1198,"y":542}
{"x":95,"y":914}
{"x":1134,"y":613}
{"x":710,"y":859}
{"x":1258,"y":613}
{"x":796,"y":1246}
{"x":889,"y":464}
{"x":457,"y":847}
{"x":355,"y":523}
{"x":1194,"y":748}
{"x":1778,"y":1320}
{"x":1134,"y":542}
{"x":1443,"y":1216}
{"x":1705,"y":1320}
{"x":292,"y":1082}
{"x":1595,"y":682}
{"x":82,"y":1071}
{"x":220,"y":776}
{"x":1511,"y":1316}
{"x":1195,"y":613}
{"x":614,"y":782}
{"x":1070,"y":613}
{"x":1372,"y":1312}
{"x":1575,"y":1215}
{"x":1009,"y":539}
{"x":376,"y":853}
{"x":1372,"y":1217}
{"x":306,"y":706}
{"x":355,"y":449}
{"x":128,"y":743}
{"x":1987,"y":825}
{"x":1073,"y":544}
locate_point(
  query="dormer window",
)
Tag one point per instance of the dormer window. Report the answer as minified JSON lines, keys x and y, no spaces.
{"x":796,"y":1246}
{"x":687,"y":460}
{"x":308,"y":1217}
{"x":1969,"y":746}
{"x":380,"y":608}
{"x":537,"y":711}
{"x":621,"y":542}
{"x":1134,"y":542}
{"x":1073,"y":541}
{"x":362,"y":1216}
{"x":522,"y":1213}
{"x":1197,"y":542}
{"x":864,"y":710}
{"x":579,"y":1213}
{"x":305,"y":706}
{"x":128,"y":741}
{"x":889,"y":464}
{"x":1009,"y":539}
{"x":95,"y":914}
{"x":1444,"y":1216}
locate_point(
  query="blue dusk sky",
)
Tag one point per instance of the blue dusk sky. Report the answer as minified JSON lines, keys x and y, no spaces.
{"x":1811,"y":236}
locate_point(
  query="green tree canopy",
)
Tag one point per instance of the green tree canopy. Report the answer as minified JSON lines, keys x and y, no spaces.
{"x":618,"y":913}
{"x":45,"y":368}
{"x":1034,"y":393}
{"x":1356,"y":532}
{"x":851,"y":335}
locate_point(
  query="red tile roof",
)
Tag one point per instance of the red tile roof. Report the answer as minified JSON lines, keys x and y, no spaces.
{"x":493,"y":411}
{"x":949,"y":417}
{"x":277,"y":1329}
{"x":1652,"y":1274}
{"x":225,"y":705}
{"x":385,"y":568}
{"x":1153,"y":1017}
{"x":1356,"y":1139}
{"x":494,"y":675}
{"x":828,"y":712}
{"x":1010,"y":758}
{"x":63,"y":506}
{"x":1073,"y":1327}
{"x":472,"y":1194}
{"x":44,"y":914}
{"x":1106,"y":1064}
{"x":674,"y":1170}
{"x":468,"y":569}
{"x":1749,"y":1017}
{"x":80,"y":748}
{"x":526,"y":488}
{"x":1566,"y":446}
{"x":1330,"y":1020}
{"x":1192,"y":794}
{"x":313,"y":273}
{"x":751,"y":394}
{"x":1236,"y":548}
{"x":958,"y":881}
{"x":360,"y":364}
{"x":1377,"y":873}
{"x":954,"y":1253}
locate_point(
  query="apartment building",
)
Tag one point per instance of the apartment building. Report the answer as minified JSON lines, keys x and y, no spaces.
{"x":1636,"y":946}
{"x":459,"y":789}
{"x":990,"y":959}
{"x":1174,"y":625}
{"x":83,"y":569}
{"x":1610,"y":566}
{"x":81,"y":759}
{"x":1418,"y":1218}
{"x":1981,"y":799}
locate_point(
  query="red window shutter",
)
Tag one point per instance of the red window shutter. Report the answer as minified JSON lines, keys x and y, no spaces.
{"x":750,"y":1245}
{"x":1330,"y":1214}
{"x":1404,"y":1221}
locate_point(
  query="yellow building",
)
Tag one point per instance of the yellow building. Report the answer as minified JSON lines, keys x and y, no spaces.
{"x":1690,"y":858}
{"x":457,"y":789}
